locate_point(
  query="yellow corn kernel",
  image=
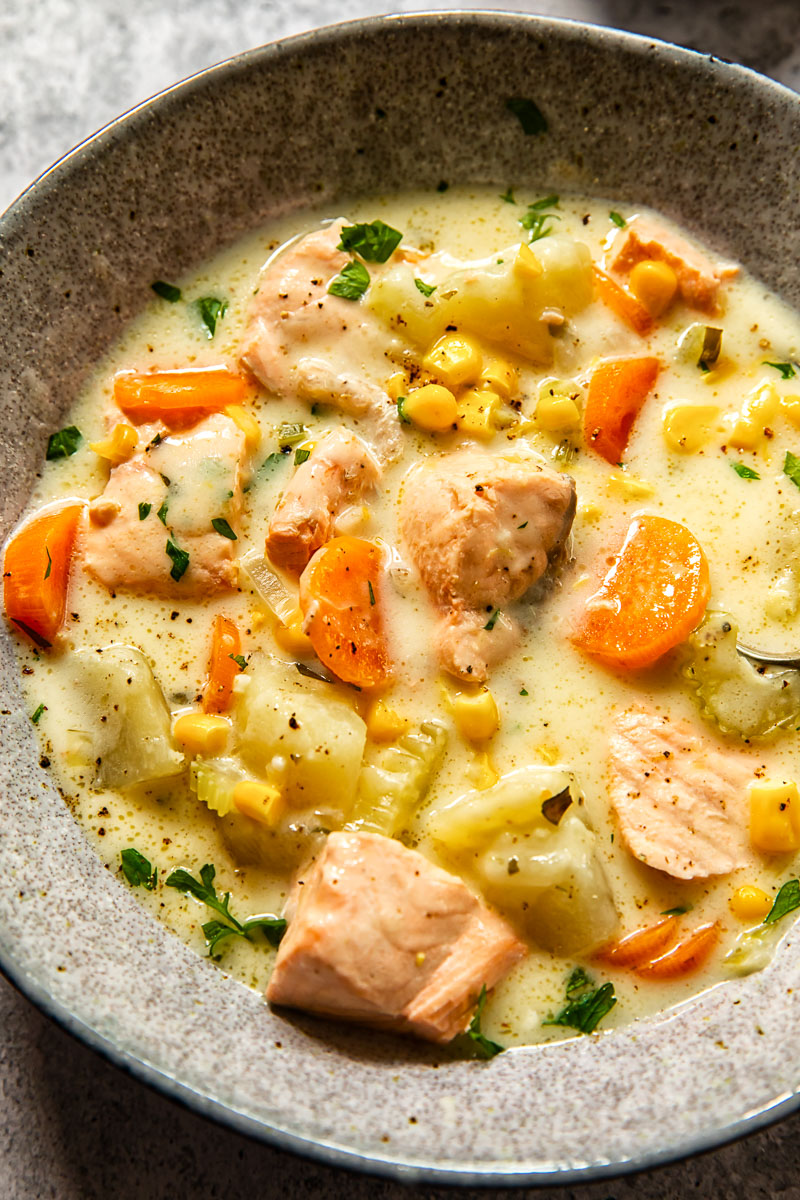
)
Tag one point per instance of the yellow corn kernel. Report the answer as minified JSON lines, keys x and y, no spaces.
{"x":258,"y":619}
{"x":500,"y":376}
{"x":759,"y":408}
{"x":791,"y":406}
{"x":555,"y":412}
{"x":261,"y":801}
{"x":247,"y":423}
{"x":589,"y":511}
{"x":475,"y":714}
{"x":526,"y":263}
{"x":432,"y":408}
{"x":774,"y":816}
{"x":547,"y":753}
{"x":628,"y":486}
{"x":119,"y":445}
{"x":482,"y":771}
{"x":745,"y":435}
{"x":201,"y":733}
{"x":654,"y":284}
{"x":687,"y":427}
{"x":477,"y":412}
{"x":396,"y":385}
{"x":292,"y":638}
{"x":384,"y":724}
{"x":454,"y":359}
{"x":750,"y":903}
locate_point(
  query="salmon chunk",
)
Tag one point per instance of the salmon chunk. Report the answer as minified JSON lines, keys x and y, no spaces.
{"x":339,"y":471}
{"x":680,"y":803}
{"x":302,"y":342}
{"x":482,"y":530}
{"x":170,"y":493}
{"x":381,"y":935}
{"x":698,"y":278}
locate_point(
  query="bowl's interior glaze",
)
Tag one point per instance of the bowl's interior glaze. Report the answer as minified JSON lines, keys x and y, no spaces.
{"x":375,"y":106}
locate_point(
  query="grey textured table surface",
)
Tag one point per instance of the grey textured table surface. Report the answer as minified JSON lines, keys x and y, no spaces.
{"x":71,"y":1126}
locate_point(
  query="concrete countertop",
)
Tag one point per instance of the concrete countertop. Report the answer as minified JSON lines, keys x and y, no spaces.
{"x":73,"y":1127}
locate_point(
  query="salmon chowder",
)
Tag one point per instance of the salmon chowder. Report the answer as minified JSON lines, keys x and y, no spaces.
{"x":378,"y":611}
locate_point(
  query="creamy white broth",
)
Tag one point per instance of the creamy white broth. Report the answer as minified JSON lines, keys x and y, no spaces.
{"x":744,"y":528}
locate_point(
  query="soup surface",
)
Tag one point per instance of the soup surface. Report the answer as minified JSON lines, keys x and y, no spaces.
{"x":444,"y":540}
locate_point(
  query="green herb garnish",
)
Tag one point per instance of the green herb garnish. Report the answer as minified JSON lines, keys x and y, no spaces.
{"x":485,"y":1047}
{"x":64,"y":443}
{"x":167,"y":291}
{"x":138,"y":870}
{"x":618,"y":219}
{"x":301,"y":456}
{"x":536,"y":219}
{"x":529,"y":115}
{"x":490,"y":624}
{"x":351,"y":282}
{"x":677,"y":911}
{"x":791,"y":467}
{"x":786,"y":901}
{"x":37,"y":715}
{"x":508,"y":196}
{"x":240,"y":660}
{"x":211,"y":310}
{"x":223,"y":529}
{"x":180,"y":560}
{"x":162,"y":512}
{"x":371,"y":593}
{"x":427,"y":289}
{"x":578,"y":980}
{"x":49,"y":566}
{"x":745,"y":472}
{"x":144,"y":510}
{"x":374,"y":241}
{"x":786,"y":369}
{"x":203,"y":889}
{"x":524,"y":692}
{"x":586,"y":1011}
{"x":401,"y":410}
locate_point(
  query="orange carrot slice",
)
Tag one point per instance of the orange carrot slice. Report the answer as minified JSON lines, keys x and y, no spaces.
{"x":177,"y":397}
{"x":626,"y":306}
{"x":652,"y":598}
{"x":686,"y":956}
{"x":641,"y":946}
{"x":617,"y":390}
{"x":36,"y":570}
{"x":223,"y":668}
{"x":340,"y":597}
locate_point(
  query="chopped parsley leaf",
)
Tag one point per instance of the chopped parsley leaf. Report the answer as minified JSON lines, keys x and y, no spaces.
{"x":508,"y":196}
{"x":240,"y":660}
{"x":485,"y":1047}
{"x":301,"y":456}
{"x":351,"y":282}
{"x":678,"y":911}
{"x":371,"y":593}
{"x":618,"y":219}
{"x":37,"y":715}
{"x":211,"y":310}
{"x":203,"y":889}
{"x":138,"y":870}
{"x":786,"y":901}
{"x":524,"y":692}
{"x":786,"y":369}
{"x":587,"y":1011}
{"x":427,"y":289}
{"x":162,"y":512}
{"x":522,"y":526}
{"x":167,"y":291}
{"x":64,"y":443}
{"x":144,"y":510}
{"x":490,"y":624}
{"x":745,"y":472}
{"x":536,"y":219}
{"x":578,"y":980}
{"x":223,"y":529}
{"x":180,"y":560}
{"x":49,"y":564}
{"x":374,"y":241}
{"x":529,"y":115}
{"x":791,"y":467}
{"x":401,"y":410}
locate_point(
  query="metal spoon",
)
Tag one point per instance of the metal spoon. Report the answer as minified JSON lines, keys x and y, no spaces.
{"x":768,"y":658}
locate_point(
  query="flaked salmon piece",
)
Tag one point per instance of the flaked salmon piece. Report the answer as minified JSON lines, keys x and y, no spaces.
{"x":340,"y":469}
{"x":303,"y":342}
{"x":170,"y":491}
{"x":698,"y":278}
{"x":482,"y":529}
{"x":679,"y":802}
{"x":379,"y":934}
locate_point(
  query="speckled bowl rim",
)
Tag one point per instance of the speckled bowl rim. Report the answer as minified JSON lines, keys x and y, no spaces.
{"x":15,"y":970}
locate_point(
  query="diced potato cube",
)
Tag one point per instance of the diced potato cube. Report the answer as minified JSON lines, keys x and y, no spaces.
{"x":774,"y":816}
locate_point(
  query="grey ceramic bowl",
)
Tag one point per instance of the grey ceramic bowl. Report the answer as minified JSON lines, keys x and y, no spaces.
{"x":390,"y":103}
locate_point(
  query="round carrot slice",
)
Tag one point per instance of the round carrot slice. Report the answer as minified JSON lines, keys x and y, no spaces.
{"x":36,"y":570}
{"x":652,"y":598}
{"x":686,"y":956}
{"x":641,"y":946}
{"x":617,"y":390}
{"x":226,"y":647}
{"x":340,"y":596}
